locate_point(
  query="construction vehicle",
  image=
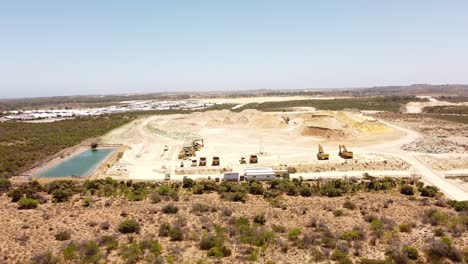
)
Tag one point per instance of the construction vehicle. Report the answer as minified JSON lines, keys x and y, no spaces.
{"x":198,"y":144}
{"x":194,"y":163}
{"x":187,"y":152}
{"x":321,"y":155}
{"x":253,"y":159}
{"x":242,"y":160}
{"x":202,"y":161}
{"x":344,"y":153}
{"x":215,"y":161}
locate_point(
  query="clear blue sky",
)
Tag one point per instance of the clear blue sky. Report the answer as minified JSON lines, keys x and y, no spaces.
{"x":98,"y":47}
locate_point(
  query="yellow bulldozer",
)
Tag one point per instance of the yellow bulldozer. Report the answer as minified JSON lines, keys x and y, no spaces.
{"x":187,"y":152}
{"x":344,"y":153}
{"x":198,"y":144}
{"x":321,"y":155}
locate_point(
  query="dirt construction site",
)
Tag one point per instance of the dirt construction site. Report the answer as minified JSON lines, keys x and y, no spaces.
{"x":279,"y":140}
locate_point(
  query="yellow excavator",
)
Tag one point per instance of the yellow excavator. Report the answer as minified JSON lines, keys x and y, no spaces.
{"x":344,"y":153}
{"x":187,"y":152}
{"x":321,"y":155}
{"x":198,"y":144}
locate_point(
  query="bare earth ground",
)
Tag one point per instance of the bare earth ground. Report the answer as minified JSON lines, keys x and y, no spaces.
{"x":28,"y":232}
{"x":280,"y":139}
{"x":234,"y":135}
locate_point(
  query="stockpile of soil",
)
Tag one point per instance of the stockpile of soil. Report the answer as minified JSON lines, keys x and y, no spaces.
{"x":434,"y":145}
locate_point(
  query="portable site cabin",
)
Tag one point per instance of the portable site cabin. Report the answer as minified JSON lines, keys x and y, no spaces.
{"x":260,"y":174}
{"x":230,"y":176}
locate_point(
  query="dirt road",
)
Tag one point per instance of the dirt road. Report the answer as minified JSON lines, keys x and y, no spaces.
{"x":428,"y":175}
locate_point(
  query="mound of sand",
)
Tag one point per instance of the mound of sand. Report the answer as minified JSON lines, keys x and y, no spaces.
{"x":322,"y":132}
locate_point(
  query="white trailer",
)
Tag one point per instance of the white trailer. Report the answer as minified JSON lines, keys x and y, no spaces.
{"x":260,"y":174}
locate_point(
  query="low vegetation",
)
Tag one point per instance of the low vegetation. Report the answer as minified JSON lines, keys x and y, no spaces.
{"x":384,"y":103}
{"x":250,"y":235}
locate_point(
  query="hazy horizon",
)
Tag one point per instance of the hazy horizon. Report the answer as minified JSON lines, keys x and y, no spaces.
{"x":52,"y":48}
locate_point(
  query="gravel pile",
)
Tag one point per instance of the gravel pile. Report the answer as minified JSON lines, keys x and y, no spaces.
{"x":434,"y":145}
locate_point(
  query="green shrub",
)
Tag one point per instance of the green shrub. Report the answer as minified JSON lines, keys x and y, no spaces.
{"x":129,"y":226}
{"x":260,"y":219}
{"x":90,"y":252}
{"x":110,"y":242}
{"x":435,"y":217}
{"x":429,"y":191}
{"x":5,"y":184}
{"x":87,"y":202}
{"x":331,"y":191}
{"x":349,"y":205}
{"x":155,"y":197}
{"x":70,"y":252}
{"x":27,"y":203}
{"x":136,"y":195}
{"x":341,"y":257}
{"x":294,"y":234}
{"x":62,"y":236}
{"x":411,"y":252}
{"x":219,"y":251}
{"x":407,"y":190}
{"x":176,"y":234}
{"x":164,"y":230}
{"x":132,"y":252}
{"x":15,"y":195}
{"x":164,"y":190}
{"x":459,"y":205}
{"x":62,"y":195}
{"x":187,"y":183}
{"x":170,"y":209}
{"x":405,"y":228}
{"x":352,"y":235}
{"x":439,"y":232}
{"x":338,"y":213}
{"x":443,"y":248}
{"x":376,"y":224}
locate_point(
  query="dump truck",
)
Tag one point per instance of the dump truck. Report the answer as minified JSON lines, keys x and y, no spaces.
{"x":198,"y":144}
{"x":253,"y":159}
{"x":202,"y":161}
{"x":187,"y":152}
{"x":321,"y":155}
{"x":215,"y":161}
{"x":344,"y":153}
{"x":242,"y":160}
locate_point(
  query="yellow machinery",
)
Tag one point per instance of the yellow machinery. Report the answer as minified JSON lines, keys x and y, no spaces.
{"x":321,"y":155}
{"x":198,"y":144}
{"x":253,"y":159}
{"x":202,"y":161}
{"x":344,"y":153}
{"x":215,"y":161}
{"x":186,"y":152}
